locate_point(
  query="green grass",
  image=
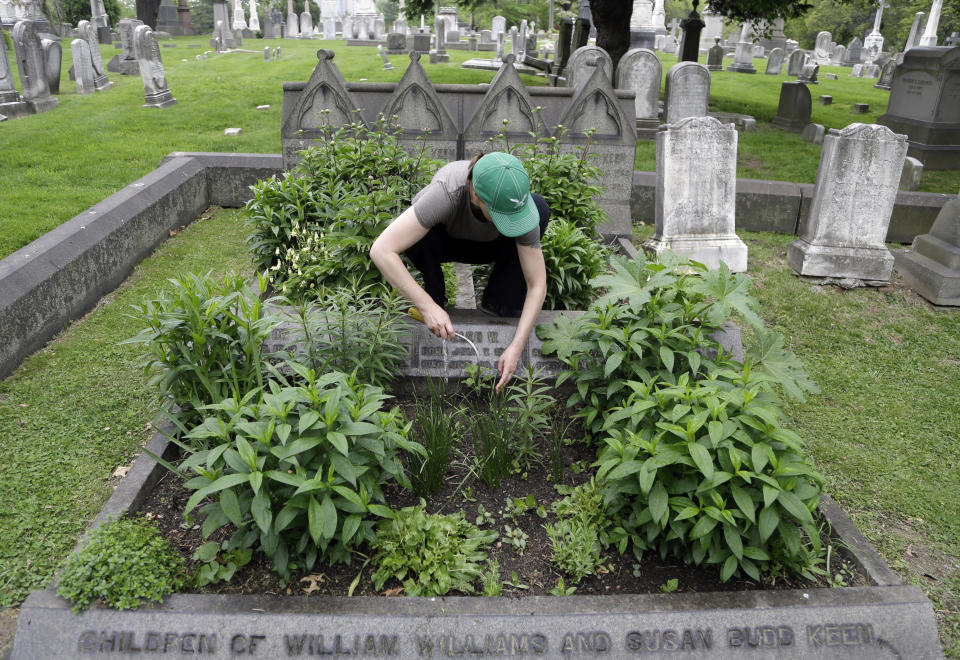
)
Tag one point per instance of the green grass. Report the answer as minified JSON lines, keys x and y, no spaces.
{"x":885,"y":427}
{"x":79,"y":408}
{"x":770,"y":153}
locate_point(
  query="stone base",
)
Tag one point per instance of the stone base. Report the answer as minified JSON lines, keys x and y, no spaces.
{"x":932,"y":268}
{"x":741,"y":67}
{"x":42,"y":105}
{"x":162,"y":99}
{"x":647,"y":129}
{"x":789,"y":125}
{"x":123,"y":67}
{"x":15,"y":109}
{"x":861,"y":263}
{"x":438,"y":58}
{"x":102,"y":83}
{"x":936,"y":144}
{"x":643,"y":38}
{"x":716,"y":67}
{"x":710,"y":251}
{"x":494,"y":65}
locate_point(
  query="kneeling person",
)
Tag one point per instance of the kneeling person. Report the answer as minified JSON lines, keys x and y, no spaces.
{"x":474,"y":212}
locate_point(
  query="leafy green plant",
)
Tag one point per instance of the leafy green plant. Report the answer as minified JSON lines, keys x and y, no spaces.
{"x":493,"y":434}
{"x":484,"y":517}
{"x":299,"y":469}
{"x":695,"y":460}
{"x":429,"y":554}
{"x":353,"y":330}
{"x":313,"y":227}
{"x":204,"y":343}
{"x":562,"y":589}
{"x":438,"y":431}
{"x":555,"y":443}
{"x":581,"y":533}
{"x":670,"y":586}
{"x":531,"y":405}
{"x":516,"y":537}
{"x":572,"y":260}
{"x":126,"y":560}
{"x":218,"y":563}
{"x":516,"y":507}
{"x":490,"y":579}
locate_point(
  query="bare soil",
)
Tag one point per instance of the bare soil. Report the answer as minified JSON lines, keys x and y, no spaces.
{"x":529,"y":573}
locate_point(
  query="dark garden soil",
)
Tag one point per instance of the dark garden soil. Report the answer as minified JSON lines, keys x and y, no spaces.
{"x":529,"y":573}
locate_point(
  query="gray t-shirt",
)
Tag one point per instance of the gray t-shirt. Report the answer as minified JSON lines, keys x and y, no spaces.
{"x":446,"y":201}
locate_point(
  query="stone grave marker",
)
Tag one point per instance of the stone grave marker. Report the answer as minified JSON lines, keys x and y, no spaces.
{"x":292,"y":30}
{"x":696,"y":193}
{"x":813,"y":133}
{"x":33,"y":79}
{"x":809,"y":74}
{"x":324,"y":101}
{"x":89,"y":32}
{"x":594,"y":107}
{"x":10,"y":103}
{"x":823,"y":47}
{"x":640,"y":70}
{"x":931,"y":266}
{"x":743,"y":56}
{"x":912,"y":174}
{"x":838,"y":54}
{"x":418,"y":109}
{"x":794,"y":109}
{"x":306,"y":23}
{"x":854,"y":54}
{"x":582,"y":63}
{"x":852,"y":203}
{"x":498,"y":26}
{"x":715,"y":57}
{"x":387,"y":65}
{"x":221,"y":28}
{"x":795,"y":62}
{"x":52,"y":59}
{"x":125,"y":63}
{"x":831,"y":76}
{"x":156,"y":92}
{"x":860,"y":108}
{"x":82,"y":66}
{"x":925,"y":105}
{"x":396,"y":43}
{"x":825,"y":99}
{"x":266,"y":53}
{"x":686,"y":92}
{"x":857,"y":71}
{"x":775,"y":62}
{"x":329,"y":27}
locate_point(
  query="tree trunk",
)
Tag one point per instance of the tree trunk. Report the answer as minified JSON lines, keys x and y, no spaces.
{"x":147,"y":12}
{"x":612,"y":20}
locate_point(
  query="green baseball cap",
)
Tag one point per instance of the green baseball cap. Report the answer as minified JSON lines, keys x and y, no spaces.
{"x":504,"y":186}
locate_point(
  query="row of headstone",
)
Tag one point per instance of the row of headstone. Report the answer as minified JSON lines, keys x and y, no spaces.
{"x":88,"y":69}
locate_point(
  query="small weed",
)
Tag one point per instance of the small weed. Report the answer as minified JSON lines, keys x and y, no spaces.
{"x":516,"y":537}
{"x":561,"y":589}
{"x":670,"y":586}
{"x":484,"y":517}
{"x":490,"y":579}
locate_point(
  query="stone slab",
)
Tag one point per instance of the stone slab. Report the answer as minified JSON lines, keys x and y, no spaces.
{"x":931,"y":279}
{"x":821,"y":623}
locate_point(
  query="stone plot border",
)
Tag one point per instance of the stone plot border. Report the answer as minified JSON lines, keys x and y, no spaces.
{"x":62,"y":274}
{"x":886,"y":619}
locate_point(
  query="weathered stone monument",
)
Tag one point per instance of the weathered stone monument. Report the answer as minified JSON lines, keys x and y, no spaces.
{"x":33,"y":79}
{"x":775,"y":62}
{"x":809,"y":73}
{"x":52,"y":60}
{"x":306,"y":21}
{"x":696,"y":193}
{"x":82,"y":66}
{"x":686,"y":92}
{"x":795,"y":62}
{"x":11,"y":105}
{"x":873,"y":42}
{"x":89,"y":32}
{"x":743,"y":57}
{"x":156,"y":92}
{"x":222,"y":34}
{"x":886,"y":74}
{"x":292,"y":30}
{"x":582,"y":63}
{"x":640,"y":70}
{"x":852,"y":203}
{"x":925,"y":105}
{"x":387,"y":65}
{"x":931,"y":266}
{"x":795,"y":107}
{"x":823,"y":48}
{"x":715,"y":57}
{"x":854,"y":53}
{"x":929,"y":37}
{"x":125,"y":63}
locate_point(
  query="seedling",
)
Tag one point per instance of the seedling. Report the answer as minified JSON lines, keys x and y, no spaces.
{"x":516,"y":537}
{"x":484,"y":517}
{"x":670,"y":586}
{"x":561,"y":589}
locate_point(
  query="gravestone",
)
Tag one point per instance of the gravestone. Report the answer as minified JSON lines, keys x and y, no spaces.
{"x":825,"y":99}
{"x":852,"y":203}
{"x":594,"y":117}
{"x":854,"y":53}
{"x":498,"y":26}
{"x":925,"y":105}
{"x":809,"y":73}
{"x":125,"y":63}
{"x":266,"y":53}
{"x":33,"y":79}
{"x":823,"y":47}
{"x":222,"y":33}
{"x":758,"y":51}
{"x":795,"y":62}
{"x":52,"y":58}
{"x":838,"y":54}
{"x":167,"y":20}
{"x":831,"y":76}
{"x":813,"y":133}
{"x":420,"y":114}
{"x":82,"y":66}
{"x":396,"y":43}
{"x":441,"y":55}
{"x":387,"y":65}
{"x":324,"y":102}
{"x":582,"y":63}
{"x":871,"y":71}
{"x":913,"y":39}
{"x":775,"y":62}
{"x":640,"y":71}
{"x":696,"y":193}
{"x":856,"y":71}
{"x":861,"y":108}
{"x":253,"y":23}
{"x":306,"y":24}
{"x":931,"y":266}
{"x":89,"y":32}
{"x":886,"y":74}
{"x":686,"y":92}
{"x":743,"y":57}
{"x":486,"y":37}
{"x":272,"y":23}
{"x":912,"y":174}
{"x":348,"y":30}
{"x":715,"y":57}
{"x":156,"y":92}
{"x":10,"y":102}
{"x":329,"y":27}
{"x":794,"y":109}
{"x":292,"y":30}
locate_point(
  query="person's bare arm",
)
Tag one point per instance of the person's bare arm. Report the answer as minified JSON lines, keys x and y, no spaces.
{"x":535,"y":275}
{"x":385,"y":253}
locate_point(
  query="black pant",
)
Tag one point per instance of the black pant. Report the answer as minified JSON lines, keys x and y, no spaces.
{"x":506,"y":288}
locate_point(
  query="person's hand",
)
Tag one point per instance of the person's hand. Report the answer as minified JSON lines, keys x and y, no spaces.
{"x":507,"y":364}
{"x":438,"y":321}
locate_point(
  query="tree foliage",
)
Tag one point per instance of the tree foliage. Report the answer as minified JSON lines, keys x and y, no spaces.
{"x":74,"y":11}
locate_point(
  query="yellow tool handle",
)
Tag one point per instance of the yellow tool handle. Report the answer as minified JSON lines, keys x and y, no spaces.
{"x":416,"y":315}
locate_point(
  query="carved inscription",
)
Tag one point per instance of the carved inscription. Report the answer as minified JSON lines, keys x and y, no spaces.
{"x":730,"y":642}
